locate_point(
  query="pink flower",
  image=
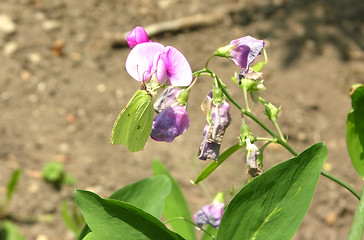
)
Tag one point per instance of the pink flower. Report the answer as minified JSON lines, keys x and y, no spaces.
{"x":152,"y":60}
{"x":136,"y":36}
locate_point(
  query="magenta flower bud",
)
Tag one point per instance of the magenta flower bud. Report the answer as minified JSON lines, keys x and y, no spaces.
{"x":170,"y":123}
{"x":211,"y":213}
{"x":244,"y":51}
{"x":166,"y":99}
{"x":136,"y":36}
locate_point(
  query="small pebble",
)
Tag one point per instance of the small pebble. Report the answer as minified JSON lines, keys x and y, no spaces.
{"x":42,"y":237}
{"x":25,"y":75}
{"x":101,"y":88}
{"x":10,"y":48}
{"x":70,"y":118}
{"x":7,"y":25}
{"x":33,"y":187}
{"x":41,"y":86}
{"x":331,"y":218}
{"x":51,"y":25}
{"x":64,"y":147}
{"x":34,"y":58}
{"x":57,"y":48}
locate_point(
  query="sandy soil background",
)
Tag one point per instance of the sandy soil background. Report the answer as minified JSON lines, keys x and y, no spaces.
{"x":62,"y":84}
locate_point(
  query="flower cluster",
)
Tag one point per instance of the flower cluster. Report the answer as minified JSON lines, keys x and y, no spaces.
{"x":157,"y":66}
{"x":152,"y":63}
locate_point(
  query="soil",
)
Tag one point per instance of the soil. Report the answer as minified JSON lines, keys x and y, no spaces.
{"x":62,"y":85}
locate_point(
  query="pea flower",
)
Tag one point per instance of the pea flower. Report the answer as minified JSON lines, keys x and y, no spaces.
{"x":242,"y":51}
{"x":152,"y":60}
{"x":171,"y":121}
{"x":211,"y":213}
{"x":218,"y":119}
{"x":136,"y":36}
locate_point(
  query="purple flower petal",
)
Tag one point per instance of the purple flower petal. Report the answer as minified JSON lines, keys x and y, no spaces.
{"x":136,"y":36}
{"x":245,"y":51}
{"x":140,"y":60}
{"x":178,"y":68}
{"x":208,"y":148}
{"x":170,"y":123}
{"x":211,"y":214}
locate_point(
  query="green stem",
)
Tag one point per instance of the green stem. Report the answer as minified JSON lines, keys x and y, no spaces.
{"x":356,"y":231}
{"x":341,"y":182}
{"x":181,"y":218}
{"x":275,"y":123}
{"x":281,"y":141}
{"x":246,"y":99}
{"x":208,"y":61}
{"x":265,"y":139}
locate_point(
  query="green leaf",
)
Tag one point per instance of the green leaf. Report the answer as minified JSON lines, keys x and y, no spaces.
{"x":134,"y":124}
{"x":9,"y":231}
{"x":90,"y":236}
{"x":357,"y":228}
{"x":147,"y":194}
{"x":213,"y":165}
{"x":13,"y":182}
{"x":355,"y":129}
{"x":106,"y":217}
{"x":176,"y":205}
{"x":273,"y":205}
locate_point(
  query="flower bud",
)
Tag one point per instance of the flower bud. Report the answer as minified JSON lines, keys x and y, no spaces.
{"x":271,"y":110}
{"x":211,"y":213}
{"x":136,"y":36}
